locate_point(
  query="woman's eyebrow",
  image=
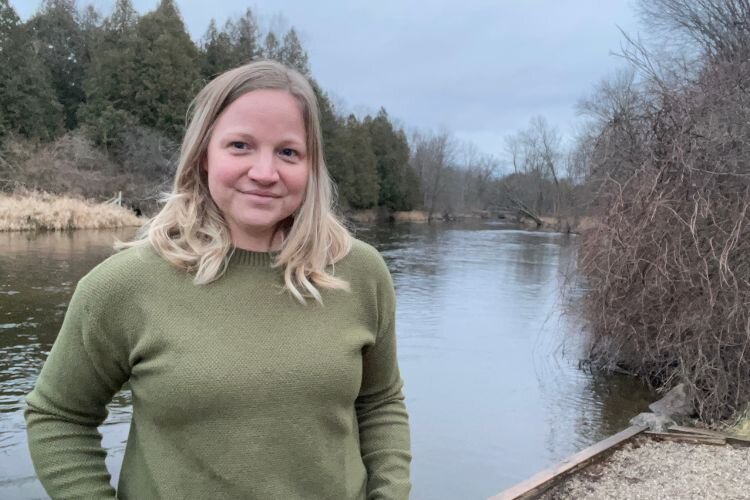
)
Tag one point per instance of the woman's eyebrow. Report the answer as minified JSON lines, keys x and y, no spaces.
{"x":238,"y":133}
{"x":290,"y":139}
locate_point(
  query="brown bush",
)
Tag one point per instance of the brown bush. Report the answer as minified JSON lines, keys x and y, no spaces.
{"x":668,"y":263}
{"x":140,"y":169}
{"x":69,"y":165}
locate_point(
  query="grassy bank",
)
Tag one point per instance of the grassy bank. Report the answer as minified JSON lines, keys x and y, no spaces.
{"x":34,"y":211}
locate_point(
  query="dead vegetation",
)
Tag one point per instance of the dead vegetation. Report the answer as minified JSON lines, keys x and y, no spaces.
{"x":72,"y":165}
{"x":668,"y":262}
{"x":27,"y":211}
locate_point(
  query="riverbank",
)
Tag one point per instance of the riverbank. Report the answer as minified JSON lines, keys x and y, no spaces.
{"x":562,"y":224}
{"x":33,"y":211}
{"x":649,"y":469}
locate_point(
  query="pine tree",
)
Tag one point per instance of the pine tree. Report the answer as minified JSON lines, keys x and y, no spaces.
{"x":217,"y":52}
{"x":330,"y":128}
{"x":112,"y":77}
{"x":396,"y":180}
{"x":123,"y":20}
{"x":244,"y":34}
{"x":168,"y":70}
{"x":271,"y":48}
{"x":91,"y":33}
{"x":28,"y":103}
{"x":61,"y":47}
{"x":329,"y":125}
{"x":358,"y":167}
{"x":292,"y":54}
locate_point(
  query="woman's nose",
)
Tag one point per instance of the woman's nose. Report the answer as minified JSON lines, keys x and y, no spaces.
{"x":263,"y":168}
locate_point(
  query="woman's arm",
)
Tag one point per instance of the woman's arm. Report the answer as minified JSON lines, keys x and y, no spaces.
{"x":83,"y":371}
{"x":381,"y":414}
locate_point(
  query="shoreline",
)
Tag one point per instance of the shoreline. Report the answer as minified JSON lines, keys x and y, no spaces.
{"x":39,"y":211}
{"x":686,"y":462}
{"x":561,"y":224}
{"x":35,"y":211}
{"x":648,"y":468}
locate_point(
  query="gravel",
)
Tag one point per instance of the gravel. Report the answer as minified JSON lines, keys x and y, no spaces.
{"x":646,"y":469}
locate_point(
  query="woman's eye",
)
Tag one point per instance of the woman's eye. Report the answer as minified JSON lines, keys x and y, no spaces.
{"x":289,"y":153}
{"x":238,"y":145}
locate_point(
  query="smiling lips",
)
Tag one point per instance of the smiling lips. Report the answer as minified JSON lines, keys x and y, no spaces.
{"x":261,"y":194}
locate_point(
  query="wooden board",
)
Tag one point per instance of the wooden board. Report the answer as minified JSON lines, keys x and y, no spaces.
{"x":730,"y":439}
{"x":738,"y":441}
{"x":696,"y":430}
{"x":688,"y":438}
{"x":542,"y":481}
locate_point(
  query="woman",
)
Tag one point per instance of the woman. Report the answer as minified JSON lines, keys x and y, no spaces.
{"x":257,"y":335}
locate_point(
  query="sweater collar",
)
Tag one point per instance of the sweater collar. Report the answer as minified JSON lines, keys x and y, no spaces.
{"x":252,"y":258}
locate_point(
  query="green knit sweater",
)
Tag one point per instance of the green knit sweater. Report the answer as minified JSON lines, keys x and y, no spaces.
{"x":239,"y":391}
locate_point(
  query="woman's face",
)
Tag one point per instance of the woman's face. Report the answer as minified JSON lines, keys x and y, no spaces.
{"x":257,"y":165}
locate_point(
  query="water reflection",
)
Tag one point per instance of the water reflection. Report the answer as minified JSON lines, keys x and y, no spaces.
{"x":39,"y":272}
{"x":489,"y":358}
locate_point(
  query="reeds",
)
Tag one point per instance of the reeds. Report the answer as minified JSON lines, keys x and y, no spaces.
{"x":36,"y":211}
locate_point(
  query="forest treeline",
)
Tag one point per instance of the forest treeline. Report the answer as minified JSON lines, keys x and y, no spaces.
{"x":93,"y":105}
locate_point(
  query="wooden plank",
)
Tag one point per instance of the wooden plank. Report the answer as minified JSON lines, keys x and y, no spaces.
{"x":738,"y":441}
{"x":696,"y":430}
{"x":542,"y":481}
{"x":730,"y":439}
{"x":687,"y":438}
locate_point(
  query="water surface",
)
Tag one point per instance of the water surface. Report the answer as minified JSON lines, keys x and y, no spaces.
{"x":490,"y":361}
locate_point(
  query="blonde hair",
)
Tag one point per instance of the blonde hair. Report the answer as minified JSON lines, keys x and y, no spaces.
{"x":190,"y":231}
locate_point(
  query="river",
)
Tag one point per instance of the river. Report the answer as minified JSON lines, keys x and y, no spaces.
{"x":488,"y":351}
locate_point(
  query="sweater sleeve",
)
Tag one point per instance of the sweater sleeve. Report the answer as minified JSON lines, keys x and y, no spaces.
{"x":84,"y":369}
{"x":381,"y":413}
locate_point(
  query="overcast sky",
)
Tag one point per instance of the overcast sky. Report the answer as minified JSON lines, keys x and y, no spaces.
{"x":480,"y":68}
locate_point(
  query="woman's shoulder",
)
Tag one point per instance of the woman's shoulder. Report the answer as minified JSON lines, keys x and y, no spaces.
{"x":364,"y":254}
{"x":364,"y":260}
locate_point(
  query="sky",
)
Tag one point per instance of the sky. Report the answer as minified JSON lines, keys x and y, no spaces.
{"x":480,"y":69}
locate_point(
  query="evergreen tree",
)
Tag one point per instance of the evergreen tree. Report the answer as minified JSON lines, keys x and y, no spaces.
{"x":61,"y":47}
{"x":397,"y":185}
{"x":123,"y":20}
{"x":218,"y":52}
{"x":292,"y":54}
{"x":91,"y":33}
{"x":168,"y":70}
{"x":112,"y":77}
{"x":330,"y":128}
{"x":244,"y":35}
{"x":271,"y":48}
{"x":355,"y":170}
{"x":28,"y":103}
{"x":329,"y":125}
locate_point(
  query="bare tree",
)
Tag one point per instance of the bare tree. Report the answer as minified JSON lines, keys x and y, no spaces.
{"x":537,"y":158}
{"x":720,"y":28}
{"x":432,"y":155}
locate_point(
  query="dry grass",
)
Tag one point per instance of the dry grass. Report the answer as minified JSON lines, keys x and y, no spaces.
{"x":410,"y":216}
{"x":31,"y":211}
{"x":741,"y":427}
{"x":362,"y":216}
